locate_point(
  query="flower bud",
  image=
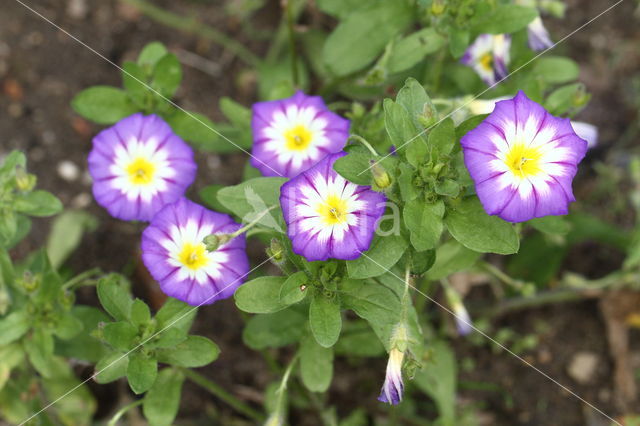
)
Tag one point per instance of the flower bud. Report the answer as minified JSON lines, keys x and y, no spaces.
{"x":437,"y":7}
{"x":393,"y":387}
{"x":213,"y":241}
{"x":24,"y":181}
{"x":29,"y":281}
{"x":463,"y":321}
{"x":429,"y":115}
{"x":275,"y":251}
{"x":380,"y":176}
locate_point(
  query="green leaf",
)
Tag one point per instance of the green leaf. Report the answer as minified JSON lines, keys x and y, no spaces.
{"x":39,"y":348}
{"x":274,"y":330}
{"x":111,"y":367}
{"x":195,"y":351}
{"x":561,"y":100}
{"x":458,"y":41}
{"x":151,"y":54}
{"x":339,"y":8}
{"x":37,"y":203}
{"x":405,"y":182}
{"x":358,"y":340}
{"x":553,"y":225}
{"x":249,"y":199}
{"x":438,"y":380}
{"x":67,"y":326}
{"x":103,"y":104}
{"x":325,"y":319}
{"x":442,"y":138}
{"x":83,"y":346}
{"x":447,"y":187}
{"x":14,"y":326}
{"x":415,"y":100}
{"x":383,"y":254}
{"x":363,"y":35}
{"x":260,"y":295}
{"x":141,"y":372}
{"x":237,"y":114}
{"x":424,"y":222}
{"x":373,"y":302}
{"x":209,"y":195}
{"x":140,"y":314}
{"x":177,"y":315}
{"x":451,"y":257}
{"x":198,"y":130}
{"x":72,"y":408}
{"x":316,"y":365}
{"x":556,"y":69}
{"x":470,"y":225}
{"x":66,"y":234}
{"x":114,"y":297}
{"x":355,"y":167}
{"x":120,"y":335}
{"x":421,"y":261}
{"x":168,"y":338}
{"x":8,"y":228}
{"x":504,"y":19}
{"x":167,"y":75}
{"x":414,"y":48}
{"x":291,"y":291}
{"x":162,"y":401}
{"x":398,"y":124}
{"x":134,"y":80}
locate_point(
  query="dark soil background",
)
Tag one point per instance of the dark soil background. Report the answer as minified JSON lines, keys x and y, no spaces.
{"x":41,"y":69}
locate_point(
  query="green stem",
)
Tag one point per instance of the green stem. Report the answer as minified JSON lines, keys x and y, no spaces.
{"x":501,"y":275}
{"x":253,"y":222}
{"x":191,"y":25}
{"x":292,"y":42}
{"x":122,"y":411}
{"x":364,"y":142}
{"x":81,"y":277}
{"x":222,"y":394}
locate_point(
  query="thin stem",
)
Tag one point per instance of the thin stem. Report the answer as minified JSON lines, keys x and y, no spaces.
{"x":501,"y":275}
{"x":121,"y":412}
{"x":292,"y":42}
{"x":222,"y":394}
{"x":191,"y":25}
{"x":81,"y":277}
{"x":364,"y":142}
{"x":253,"y":222}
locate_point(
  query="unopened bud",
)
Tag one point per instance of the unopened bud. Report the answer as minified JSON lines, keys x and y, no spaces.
{"x":213,"y":242}
{"x":429,"y":115}
{"x":275,"y":251}
{"x":30,"y":282}
{"x":24,"y":181}
{"x":380,"y":176}
{"x":67,"y":299}
{"x":437,"y":7}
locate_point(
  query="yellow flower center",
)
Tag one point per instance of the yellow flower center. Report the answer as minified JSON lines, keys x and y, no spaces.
{"x":486,"y":61}
{"x":298,"y":138}
{"x":333,"y":210}
{"x":141,"y":171}
{"x":523,"y":161}
{"x":193,"y":256}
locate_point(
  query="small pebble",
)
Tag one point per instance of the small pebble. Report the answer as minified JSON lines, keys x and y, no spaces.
{"x":81,"y":201}
{"x":582,"y":366}
{"x":77,"y":9}
{"x":68,"y":170}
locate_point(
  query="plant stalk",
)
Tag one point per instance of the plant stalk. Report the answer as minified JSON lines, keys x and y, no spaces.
{"x":191,"y":25}
{"x":222,"y":394}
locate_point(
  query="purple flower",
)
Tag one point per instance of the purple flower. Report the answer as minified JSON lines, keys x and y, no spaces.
{"x":328,"y":216}
{"x":586,"y":131}
{"x":539,"y":38}
{"x":489,"y":56}
{"x":393,"y":386}
{"x":139,"y":165}
{"x":523,"y":160}
{"x":174,"y":254}
{"x":291,"y":135}
{"x":463,"y":320}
